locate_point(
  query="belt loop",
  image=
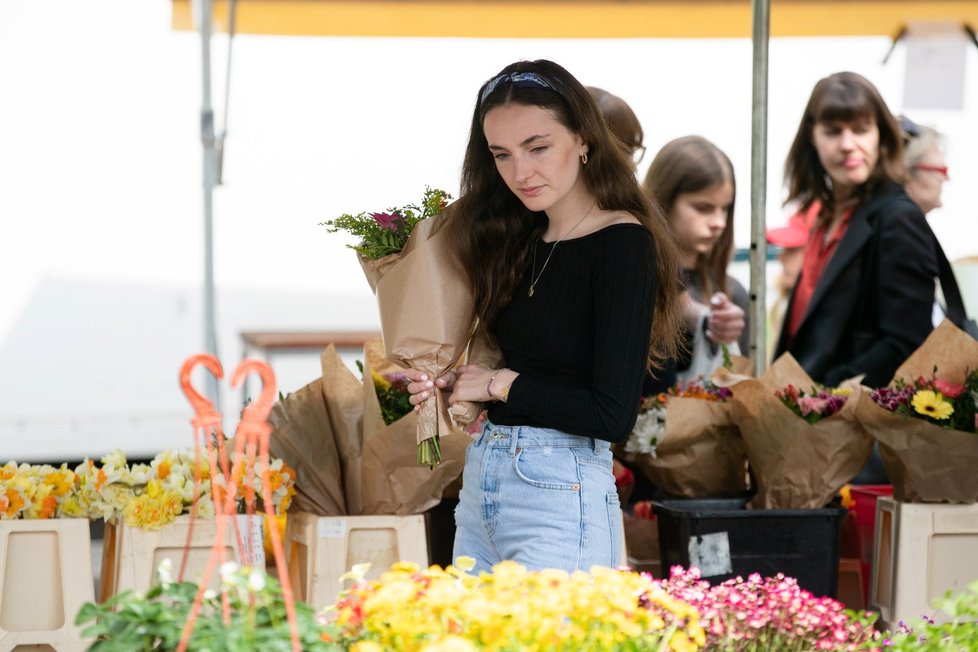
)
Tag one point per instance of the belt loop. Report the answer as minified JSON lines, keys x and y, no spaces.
{"x":513,"y":440}
{"x":596,"y":443}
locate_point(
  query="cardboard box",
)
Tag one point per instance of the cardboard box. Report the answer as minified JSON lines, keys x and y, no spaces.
{"x":921,"y":550}
{"x":45,"y":578}
{"x":131,"y":556}
{"x":321,"y":549}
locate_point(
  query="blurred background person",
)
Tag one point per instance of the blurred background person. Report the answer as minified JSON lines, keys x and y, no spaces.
{"x":693,"y":181}
{"x":791,"y":239}
{"x":926,"y":167}
{"x":622,"y":122}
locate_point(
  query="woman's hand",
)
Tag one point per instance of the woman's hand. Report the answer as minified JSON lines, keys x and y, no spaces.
{"x":472,"y":384}
{"x":422,"y":387}
{"x":725,"y":322}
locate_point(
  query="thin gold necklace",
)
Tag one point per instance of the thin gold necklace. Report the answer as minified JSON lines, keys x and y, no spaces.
{"x":534,"y":277}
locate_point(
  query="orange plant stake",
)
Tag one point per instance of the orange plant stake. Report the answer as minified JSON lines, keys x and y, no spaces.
{"x":252,"y":435}
{"x":207,"y":427}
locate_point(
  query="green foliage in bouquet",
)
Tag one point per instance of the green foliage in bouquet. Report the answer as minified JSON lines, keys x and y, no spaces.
{"x":960,"y":633}
{"x":130,"y":622}
{"x":392,"y":394}
{"x":382,"y":234}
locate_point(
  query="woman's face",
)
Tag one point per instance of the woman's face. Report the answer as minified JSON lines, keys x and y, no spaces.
{"x":699,"y":218}
{"x":848,"y":152}
{"x":927,"y":177}
{"x":536,"y":155}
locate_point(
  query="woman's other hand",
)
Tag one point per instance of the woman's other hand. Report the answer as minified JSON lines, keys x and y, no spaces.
{"x":726,"y":322}
{"x":473,"y":384}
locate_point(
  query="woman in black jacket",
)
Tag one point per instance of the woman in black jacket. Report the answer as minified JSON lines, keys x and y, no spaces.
{"x":864,"y":299}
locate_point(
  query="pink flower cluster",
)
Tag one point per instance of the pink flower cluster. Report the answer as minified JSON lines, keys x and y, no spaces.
{"x":774,"y":612}
{"x":814,"y":406}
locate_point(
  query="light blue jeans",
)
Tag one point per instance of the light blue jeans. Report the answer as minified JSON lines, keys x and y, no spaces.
{"x":540,"y":497}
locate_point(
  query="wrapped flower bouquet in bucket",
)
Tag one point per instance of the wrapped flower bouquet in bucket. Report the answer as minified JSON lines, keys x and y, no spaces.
{"x":925,"y":420}
{"x":803,"y":441}
{"x":685,"y":442}
{"x":426,"y":306}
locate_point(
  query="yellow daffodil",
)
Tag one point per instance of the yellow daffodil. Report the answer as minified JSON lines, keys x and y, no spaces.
{"x":932,"y":404}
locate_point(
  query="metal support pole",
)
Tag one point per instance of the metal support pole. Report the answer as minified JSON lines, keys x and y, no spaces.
{"x":761,"y":11}
{"x":210,"y":163}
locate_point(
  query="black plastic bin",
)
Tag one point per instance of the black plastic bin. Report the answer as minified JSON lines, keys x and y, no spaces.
{"x":724,"y":539}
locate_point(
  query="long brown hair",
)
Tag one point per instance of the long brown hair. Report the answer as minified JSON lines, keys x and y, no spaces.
{"x":621,"y":120}
{"x":846,"y":97}
{"x":691,"y":164}
{"x":493,"y":230}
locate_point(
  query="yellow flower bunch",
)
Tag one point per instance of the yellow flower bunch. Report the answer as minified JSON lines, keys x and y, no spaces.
{"x":38,"y":491}
{"x":431,"y":610}
{"x":281,"y":479}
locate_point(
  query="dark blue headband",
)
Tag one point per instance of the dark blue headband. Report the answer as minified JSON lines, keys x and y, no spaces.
{"x":520,"y":79}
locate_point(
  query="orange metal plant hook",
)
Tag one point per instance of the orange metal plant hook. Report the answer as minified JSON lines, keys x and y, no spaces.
{"x":259,"y":409}
{"x":203,"y":407}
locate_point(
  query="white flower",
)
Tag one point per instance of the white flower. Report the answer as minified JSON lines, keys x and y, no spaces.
{"x":256,"y":580}
{"x":228,"y":569}
{"x":649,"y":431}
{"x":210,"y":594}
{"x":165,"y":571}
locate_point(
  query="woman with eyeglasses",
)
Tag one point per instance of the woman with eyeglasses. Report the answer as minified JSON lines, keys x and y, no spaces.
{"x":863,"y":301}
{"x":927,"y":169}
{"x":574,"y":277}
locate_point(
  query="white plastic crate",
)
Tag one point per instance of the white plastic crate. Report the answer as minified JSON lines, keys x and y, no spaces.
{"x":45,"y":578}
{"x":921,"y":551}
{"x":131,"y":556}
{"x":321,"y":549}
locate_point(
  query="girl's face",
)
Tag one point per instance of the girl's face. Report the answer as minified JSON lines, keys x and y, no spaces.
{"x":699,"y":218}
{"x":848,"y":152}
{"x":536,"y":155}
{"x":927,"y":178}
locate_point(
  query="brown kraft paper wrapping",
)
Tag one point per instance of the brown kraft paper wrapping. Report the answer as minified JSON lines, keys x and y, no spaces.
{"x":927,"y":463}
{"x":393,"y":481}
{"x":797,"y":465}
{"x":302,"y":437}
{"x":426,"y":312}
{"x":343,"y":395}
{"x":701,"y":454}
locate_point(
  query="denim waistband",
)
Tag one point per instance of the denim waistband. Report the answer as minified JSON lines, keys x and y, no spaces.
{"x":529,"y":436}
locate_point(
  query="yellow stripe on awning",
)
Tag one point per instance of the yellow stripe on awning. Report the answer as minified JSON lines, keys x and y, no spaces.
{"x":576,"y":19}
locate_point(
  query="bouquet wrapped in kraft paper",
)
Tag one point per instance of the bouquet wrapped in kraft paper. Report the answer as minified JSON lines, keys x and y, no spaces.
{"x":393,"y":481}
{"x":797,"y":464}
{"x":427,"y":318}
{"x":925,"y":422}
{"x":700,"y":453}
{"x":685,"y":441}
{"x":316,"y":431}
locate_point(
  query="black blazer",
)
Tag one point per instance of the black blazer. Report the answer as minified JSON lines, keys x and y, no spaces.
{"x":872,"y":306}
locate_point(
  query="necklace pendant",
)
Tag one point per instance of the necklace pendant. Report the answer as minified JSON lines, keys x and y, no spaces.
{"x":529,"y":292}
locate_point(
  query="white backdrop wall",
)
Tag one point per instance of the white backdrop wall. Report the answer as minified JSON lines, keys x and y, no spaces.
{"x":100,"y":202}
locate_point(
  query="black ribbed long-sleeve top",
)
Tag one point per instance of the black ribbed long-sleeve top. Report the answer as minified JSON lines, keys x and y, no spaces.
{"x":580,"y":343}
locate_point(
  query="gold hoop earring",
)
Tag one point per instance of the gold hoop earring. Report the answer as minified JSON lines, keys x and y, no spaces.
{"x":584,"y":158}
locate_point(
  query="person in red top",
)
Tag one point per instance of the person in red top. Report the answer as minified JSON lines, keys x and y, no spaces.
{"x":863,"y":301}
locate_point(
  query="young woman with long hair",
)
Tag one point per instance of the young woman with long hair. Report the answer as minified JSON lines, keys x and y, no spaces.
{"x":575,"y":277}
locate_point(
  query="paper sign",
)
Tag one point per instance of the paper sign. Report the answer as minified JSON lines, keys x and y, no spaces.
{"x":253,"y":540}
{"x":711,"y":554}
{"x":935,"y":66}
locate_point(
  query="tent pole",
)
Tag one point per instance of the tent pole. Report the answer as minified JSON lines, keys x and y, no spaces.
{"x":761,"y":12}
{"x":210,"y":160}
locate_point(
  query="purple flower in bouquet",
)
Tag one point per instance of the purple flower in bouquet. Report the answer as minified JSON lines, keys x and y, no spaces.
{"x":390,"y":221}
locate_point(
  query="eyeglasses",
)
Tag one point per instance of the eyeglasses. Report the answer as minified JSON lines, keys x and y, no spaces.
{"x":638,"y":154}
{"x":940,"y":169}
